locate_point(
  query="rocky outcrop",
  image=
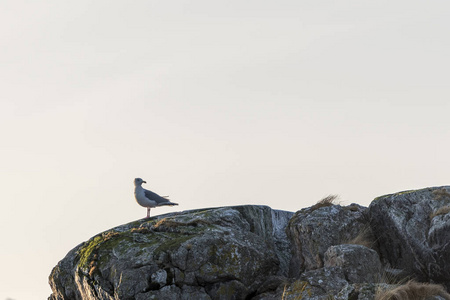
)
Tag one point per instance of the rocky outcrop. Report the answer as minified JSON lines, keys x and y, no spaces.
{"x":326,"y":251}
{"x":359,"y":263}
{"x":222,"y":253}
{"x":313,"y":230}
{"x":413,"y":232}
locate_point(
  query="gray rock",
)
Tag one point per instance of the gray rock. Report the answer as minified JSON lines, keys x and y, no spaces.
{"x":318,"y":284}
{"x":160,"y":277}
{"x":170,"y":292}
{"x":229,"y":290}
{"x":300,"y":289}
{"x":359,"y":264}
{"x":192,"y":292}
{"x":410,"y":236}
{"x":208,"y":254}
{"x":326,"y":281}
{"x":256,"y":253}
{"x":272,"y":283}
{"x":64,"y":287}
{"x":358,"y":291}
{"x":312,"y":231}
{"x":303,"y":290}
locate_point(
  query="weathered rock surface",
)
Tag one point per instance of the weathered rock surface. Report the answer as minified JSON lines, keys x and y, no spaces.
{"x":313,"y":230}
{"x":256,"y":253}
{"x":359,"y":263}
{"x":411,"y":236}
{"x":222,"y":253}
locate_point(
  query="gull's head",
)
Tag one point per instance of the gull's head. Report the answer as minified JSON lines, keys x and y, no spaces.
{"x":138,"y":181}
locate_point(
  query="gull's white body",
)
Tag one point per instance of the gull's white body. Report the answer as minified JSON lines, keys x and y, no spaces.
{"x":139,"y":194}
{"x":148,"y":198}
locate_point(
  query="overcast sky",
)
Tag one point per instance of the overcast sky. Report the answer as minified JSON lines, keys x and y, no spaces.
{"x":214,"y":103}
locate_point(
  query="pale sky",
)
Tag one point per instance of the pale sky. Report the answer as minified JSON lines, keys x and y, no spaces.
{"x":214,"y":103}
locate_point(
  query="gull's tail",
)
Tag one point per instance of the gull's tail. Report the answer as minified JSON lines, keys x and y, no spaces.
{"x":167,"y":203}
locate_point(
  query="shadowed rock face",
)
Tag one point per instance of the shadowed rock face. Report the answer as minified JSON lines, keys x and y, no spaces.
{"x":411,"y":236}
{"x":256,"y":253}
{"x":360,"y":264}
{"x":313,"y":231}
{"x":221,"y":253}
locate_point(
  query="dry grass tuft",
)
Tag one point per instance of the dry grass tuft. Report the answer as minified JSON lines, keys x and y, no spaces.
{"x":441,"y":211}
{"x":412,"y":290}
{"x":141,"y":230}
{"x":441,"y":194}
{"x":365,"y":237}
{"x":296,"y":290}
{"x":327,"y":201}
{"x":166,"y":223}
{"x":390,"y":276}
{"x":92,"y":270}
{"x":109,"y":235}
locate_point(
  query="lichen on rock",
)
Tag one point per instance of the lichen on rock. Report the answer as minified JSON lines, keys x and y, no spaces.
{"x":213,"y":253}
{"x":253,"y":252}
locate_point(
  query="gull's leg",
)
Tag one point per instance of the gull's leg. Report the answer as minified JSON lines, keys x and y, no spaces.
{"x":148,"y":212}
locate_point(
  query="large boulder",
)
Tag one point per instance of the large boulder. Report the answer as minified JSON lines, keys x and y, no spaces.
{"x":359,"y":263}
{"x":412,"y":230}
{"x":349,"y":272}
{"x":314,"y":229}
{"x":253,"y":252}
{"x":221,"y":253}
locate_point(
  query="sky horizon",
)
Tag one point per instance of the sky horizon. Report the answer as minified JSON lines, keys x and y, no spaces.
{"x":214,"y":103}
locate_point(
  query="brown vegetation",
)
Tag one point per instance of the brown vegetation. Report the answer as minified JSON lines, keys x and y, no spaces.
{"x":327,"y":201}
{"x":168,"y":225}
{"x":141,"y":230}
{"x":413,"y":290}
{"x":441,"y":194}
{"x":441,"y":211}
{"x":364,"y":238}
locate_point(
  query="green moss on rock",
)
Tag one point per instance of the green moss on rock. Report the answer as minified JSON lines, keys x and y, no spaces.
{"x":172,"y":242}
{"x":87,"y":250}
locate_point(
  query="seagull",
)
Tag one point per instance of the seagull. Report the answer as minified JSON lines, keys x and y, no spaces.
{"x":147,"y":198}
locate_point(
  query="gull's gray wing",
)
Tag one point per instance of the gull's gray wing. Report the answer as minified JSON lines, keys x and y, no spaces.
{"x":155,"y":197}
